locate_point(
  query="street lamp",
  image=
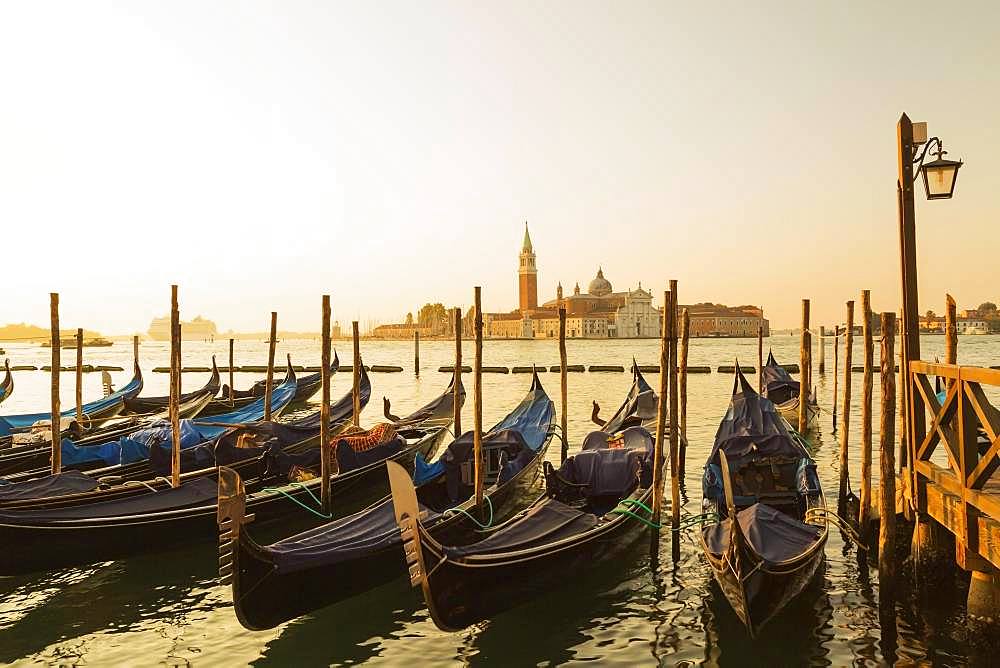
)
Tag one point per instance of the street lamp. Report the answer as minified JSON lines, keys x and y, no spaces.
{"x":939,"y":183}
{"x":939,"y":175}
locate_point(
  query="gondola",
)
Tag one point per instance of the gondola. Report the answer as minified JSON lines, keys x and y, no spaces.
{"x":308,"y":386}
{"x":34,"y":459}
{"x":143,"y":405}
{"x":116,"y":457}
{"x":7,"y":385}
{"x":763,"y":476}
{"x":120,"y":522}
{"x":783,"y":392}
{"x":589,"y":514}
{"x":95,"y":411}
{"x":313,"y":569}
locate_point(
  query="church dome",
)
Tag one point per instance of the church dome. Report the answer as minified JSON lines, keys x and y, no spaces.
{"x":600,"y":286}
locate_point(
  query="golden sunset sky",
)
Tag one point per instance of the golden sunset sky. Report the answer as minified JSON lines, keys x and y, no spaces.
{"x":260,"y":154}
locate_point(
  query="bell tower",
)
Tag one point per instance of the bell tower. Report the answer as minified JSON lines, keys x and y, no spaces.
{"x":527,"y":275}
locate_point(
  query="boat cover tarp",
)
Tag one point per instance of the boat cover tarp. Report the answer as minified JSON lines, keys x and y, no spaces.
{"x":352,"y":537}
{"x":779,"y":386}
{"x":136,"y":446}
{"x":640,"y":402}
{"x":67,"y":482}
{"x":531,"y":418}
{"x":772,"y":534}
{"x":338,"y":411}
{"x":11,"y":422}
{"x":197,"y":492}
{"x":752,"y":428}
{"x":547,"y":522}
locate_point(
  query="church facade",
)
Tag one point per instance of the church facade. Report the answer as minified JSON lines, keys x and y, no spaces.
{"x":601,"y":313}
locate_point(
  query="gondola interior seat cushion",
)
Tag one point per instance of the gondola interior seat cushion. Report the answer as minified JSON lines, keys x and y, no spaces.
{"x":609,"y":472}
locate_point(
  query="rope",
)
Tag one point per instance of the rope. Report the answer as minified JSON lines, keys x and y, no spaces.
{"x":463,"y":511}
{"x":308,"y":491}
{"x":629,"y":513}
{"x":830,"y":517}
{"x":133,"y":483}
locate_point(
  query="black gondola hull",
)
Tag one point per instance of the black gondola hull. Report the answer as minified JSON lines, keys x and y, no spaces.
{"x":464,"y":594}
{"x":767,"y":590}
{"x":32,"y":546}
{"x":261,"y":594}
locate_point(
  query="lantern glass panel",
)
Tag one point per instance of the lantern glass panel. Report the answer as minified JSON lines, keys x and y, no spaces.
{"x":939,"y":180}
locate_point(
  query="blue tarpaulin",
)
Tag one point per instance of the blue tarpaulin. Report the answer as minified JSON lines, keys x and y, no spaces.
{"x":11,"y":422}
{"x":135,"y":447}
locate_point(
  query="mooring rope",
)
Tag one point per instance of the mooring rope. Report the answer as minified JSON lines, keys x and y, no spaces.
{"x":279,"y":490}
{"x":463,"y":511}
{"x":628,"y":513}
{"x":830,"y":517}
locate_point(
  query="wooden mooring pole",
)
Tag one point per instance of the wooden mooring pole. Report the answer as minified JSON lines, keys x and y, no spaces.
{"x":477,"y":401}
{"x":324,"y":408}
{"x":683,"y":382}
{"x":56,"y":409}
{"x":805,"y":368}
{"x":79,"y":376}
{"x":356,"y":375}
{"x":661,"y":410}
{"x":950,"y":332}
{"x":457,"y":382}
{"x":760,"y":359}
{"x":563,"y":386}
{"x":864,"y":512}
{"x":416,"y":354}
{"x":836,"y":371}
{"x":887,"y":463}
{"x":845,"y":415}
{"x":822,"y":349}
{"x":175,"y":389}
{"x":269,"y":382}
{"x":232,"y":375}
{"x":135,"y":350}
{"x":675,"y":476}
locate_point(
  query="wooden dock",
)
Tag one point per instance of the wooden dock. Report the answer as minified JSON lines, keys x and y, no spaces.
{"x":964,"y":496}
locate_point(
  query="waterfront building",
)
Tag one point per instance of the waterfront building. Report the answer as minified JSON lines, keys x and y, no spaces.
{"x":401,"y":331}
{"x":601,"y":313}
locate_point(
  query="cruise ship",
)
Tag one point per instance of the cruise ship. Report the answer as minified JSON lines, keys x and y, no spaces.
{"x":199,"y":329}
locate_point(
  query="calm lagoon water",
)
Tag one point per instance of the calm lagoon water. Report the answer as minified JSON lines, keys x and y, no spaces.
{"x":645,"y":610}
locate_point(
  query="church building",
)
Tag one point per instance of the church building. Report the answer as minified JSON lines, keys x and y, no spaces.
{"x":599,"y":313}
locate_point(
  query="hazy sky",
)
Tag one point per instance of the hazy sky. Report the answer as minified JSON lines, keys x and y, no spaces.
{"x":260,"y":154}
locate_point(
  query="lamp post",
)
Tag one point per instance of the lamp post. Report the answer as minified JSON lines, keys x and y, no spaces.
{"x":939,"y":183}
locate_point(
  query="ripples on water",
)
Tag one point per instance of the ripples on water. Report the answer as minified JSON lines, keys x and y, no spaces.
{"x":167,"y":608}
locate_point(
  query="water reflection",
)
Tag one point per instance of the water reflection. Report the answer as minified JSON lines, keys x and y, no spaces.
{"x":646,"y":608}
{"x":797,"y":636}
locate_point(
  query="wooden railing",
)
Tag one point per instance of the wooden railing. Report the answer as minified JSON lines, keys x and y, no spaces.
{"x":967,"y":427}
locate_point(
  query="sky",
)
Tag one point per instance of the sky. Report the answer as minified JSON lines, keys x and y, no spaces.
{"x":260,"y":154}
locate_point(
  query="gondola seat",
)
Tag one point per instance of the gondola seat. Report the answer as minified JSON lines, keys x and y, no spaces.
{"x":592,"y":476}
